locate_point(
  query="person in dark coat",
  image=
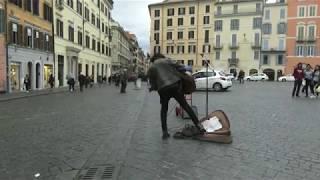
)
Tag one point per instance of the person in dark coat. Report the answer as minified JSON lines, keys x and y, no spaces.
{"x":241,"y":77}
{"x":87,"y":81}
{"x":165,"y":78}
{"x":298,"y":75}
{"x":82,"y":81}
{"x":123,"y":81}
{"x":51,"y":81}
{"x":27,"y":82}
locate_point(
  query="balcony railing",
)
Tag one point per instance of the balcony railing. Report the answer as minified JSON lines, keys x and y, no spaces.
{"x":256,"y":45}
{"x":311,"y":39}
{"x":300,"y":39}
{"x":234,"y":46}
{"x":233,"y":61}
{"x":218,"y":46}
{"x":275,"y":50}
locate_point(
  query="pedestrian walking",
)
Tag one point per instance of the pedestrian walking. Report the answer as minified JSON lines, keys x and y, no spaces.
{"x":308,"y":76}
{"x":91,"y":81}
{"x":87,"y":81}
{"x":110,"y":79}
{"x":235,"y":74}
{"x":27,"y":83}
{"x":82,"y":81}
{"x":316,"y":79}
{"x":51,"y":81}
{"x":241,"y":77}
{"x":123,"y":80}
{"x":298,"y":76}
{"x":165,"y":78}
{"x":71,"y":82}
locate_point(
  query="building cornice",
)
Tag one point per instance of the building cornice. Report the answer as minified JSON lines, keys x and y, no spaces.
{"x":235,"y":1}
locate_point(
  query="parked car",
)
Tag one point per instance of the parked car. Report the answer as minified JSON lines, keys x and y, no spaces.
{"x":216,"y":80}
{"x":257,"y":77}
{"x":230,"y":76}
{"x":288,"y":77}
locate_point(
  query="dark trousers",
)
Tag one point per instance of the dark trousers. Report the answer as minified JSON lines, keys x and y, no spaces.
{"x":241,"y":80}
{"x":123,"y":87}
{"x":296,"y":87}
{"x":174,"y":91}
{"x":71,"y":86}
{"x":309,"y":84}
{"x":81,"y":86}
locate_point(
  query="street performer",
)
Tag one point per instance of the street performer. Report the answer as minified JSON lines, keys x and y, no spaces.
{"x":165,"y":77}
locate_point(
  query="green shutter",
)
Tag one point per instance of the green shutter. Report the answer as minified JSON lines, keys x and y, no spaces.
{"x":2,"y":23}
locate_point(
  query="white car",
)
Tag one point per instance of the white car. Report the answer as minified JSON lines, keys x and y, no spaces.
{"x":288,"y":77}
{"x":257,"y":77}
{"x":230,"y":76}
{"x":216,"y":80}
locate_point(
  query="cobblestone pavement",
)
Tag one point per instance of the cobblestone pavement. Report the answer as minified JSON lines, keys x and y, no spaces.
{"x":275,"y":136}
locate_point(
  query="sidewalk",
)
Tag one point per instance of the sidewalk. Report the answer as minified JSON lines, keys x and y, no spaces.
{"x":24,"y":94}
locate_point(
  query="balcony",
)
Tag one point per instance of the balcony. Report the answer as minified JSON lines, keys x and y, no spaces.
{"x":273,"y":50}
{"x":218,"y":46}
{"x":233,"y":61}
{"x":311,"y":39}
{"x":234,"y":46}
{"x":59,"y":4}
{"x":300,"y":39}
{"x":256,"y":45}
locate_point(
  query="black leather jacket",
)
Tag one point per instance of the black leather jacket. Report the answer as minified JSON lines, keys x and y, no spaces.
{"x":164,"y":72}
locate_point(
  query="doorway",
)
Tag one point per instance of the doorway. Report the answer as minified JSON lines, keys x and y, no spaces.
{"x":60,"y":69}
{"x":38,"y":74}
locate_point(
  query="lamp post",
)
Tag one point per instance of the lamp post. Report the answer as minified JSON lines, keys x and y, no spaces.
{"x":207,"y":84}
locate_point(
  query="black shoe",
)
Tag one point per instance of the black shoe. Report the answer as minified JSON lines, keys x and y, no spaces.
{"x":165,"y":136}
{"x":297,"y":96}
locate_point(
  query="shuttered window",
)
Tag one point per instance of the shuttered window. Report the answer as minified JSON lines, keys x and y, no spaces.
{"x":2,"y":23}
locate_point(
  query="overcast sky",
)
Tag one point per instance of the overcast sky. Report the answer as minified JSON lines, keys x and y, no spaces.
{"x":133,"y":15}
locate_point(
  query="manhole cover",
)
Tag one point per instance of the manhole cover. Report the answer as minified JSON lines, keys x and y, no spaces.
{"x":99,"y":172}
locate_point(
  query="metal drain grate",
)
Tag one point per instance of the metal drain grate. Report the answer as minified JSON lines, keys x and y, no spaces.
{"x":98,"y":172}
{"x":108,"y":172}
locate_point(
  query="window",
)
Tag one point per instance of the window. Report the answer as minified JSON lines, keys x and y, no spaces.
{"x":93,"y":44}
{"x":47,"y":12}
{"x":218,"y":55}
{"x":28,"y":5}
{"x":311,"y":32}
{"x":98,"y":46}
{"x":299,"y":50}
{"x":170,"y":49}
{"x":235,"y":9}
{"x":218,"y":25}
{"x":47,"y":43}
{"x":98,"y":23}
{"x":219,"y":10}
{"x":265,"y":59}
{"x":102,"y":7}
{"x":218,"y":43}
{"x":180,"y":61}
{"x":265,"y":44}
{"x":80,"y":38}
{"x":267,"y":14}
{"x":301,"y":11}
{"x":206,"y":36}
{"x":191,"y":35}
{"x":59,"y":28}
{"x":192,"y":21}
{"x":312,"y":11}
{"x":36,"y":41}
{"x":169,"y":22}
{"x":180,"y":49}
{"x":301,"y":32}
{"x":86,"y":14}
{"x":2,"y":21}
{"x":258,"y":7}
{"x":79,"y":7}
{"x":206,"y":48}
{"x":28,"y":37}
{"x":180,"y":35}
{"x":282,"y":13}
{"x":157,"y":37}
{"x":181,"y":11}
{"x":180,"y":21}
{"x":282,"y":28}
{"x":234,"y":40}
{"x":157,"y":13}
{"x":192,"y":49}
{"x":256,"y":55}
{"x":170,"y":12}
{"x":256,"y":39}
{"x":190,"y":62}
{"x":87,"y":41}
{"x":281,"y":44}
{"x":156,"y":25}
{"x":311,"y":50}
{"x":169,"y":35}
{"x":207,"y":8}
{"x":257,"y":23}
{"x":102,"y":25}
{"x":93,"y":19}
{"x":234,"y":24}
{"x":35,"y":7}
{"x":71,"y":33}
{"x":266,"y":28}
{"x":206,"y":19}
{"x":280,"y":60}
{"x":70,"y":3}
{"x":191,"y":10}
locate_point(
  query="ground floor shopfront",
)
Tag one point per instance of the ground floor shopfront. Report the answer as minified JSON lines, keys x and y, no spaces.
{"x":38,"y":65}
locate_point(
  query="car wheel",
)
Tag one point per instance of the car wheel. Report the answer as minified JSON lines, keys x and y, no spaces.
{"x":284,"y":80}
{"x":248,"y":79}
{"x":217,"y":87}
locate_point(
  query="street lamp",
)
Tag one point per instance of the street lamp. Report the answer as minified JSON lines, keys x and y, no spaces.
{"x":207,"y":84}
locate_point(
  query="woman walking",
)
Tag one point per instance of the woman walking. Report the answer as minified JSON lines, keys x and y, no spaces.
{"x":316,"y":78}
{"x":298,"y":76}
{"x":308,"y":76}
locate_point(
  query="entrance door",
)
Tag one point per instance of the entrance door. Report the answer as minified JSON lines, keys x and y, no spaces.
{"x":270,"y":73}
{"x":30,"y":73}
{"x":87,"y":70}
{"x":14,"y":76}
{"x":47,"y":71}
{"x":60,"y":69}
{"x":38,"y":76}
{"x":79,"y":68}
{"x":102,"y":70}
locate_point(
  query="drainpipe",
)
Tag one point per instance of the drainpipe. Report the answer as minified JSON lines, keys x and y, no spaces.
{"x":7,"y":45}
{"x":261,"y":32}
{"x":53,"y":46}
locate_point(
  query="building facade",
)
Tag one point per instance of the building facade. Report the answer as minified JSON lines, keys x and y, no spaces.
{"x":274,"y":30}
{"x":82,"y":38}
{"x":303,"y":37}
{"x":3,"y":59}
{"x":121,"y":54}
